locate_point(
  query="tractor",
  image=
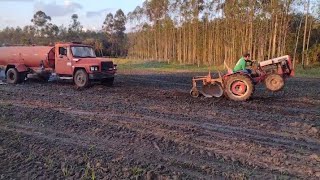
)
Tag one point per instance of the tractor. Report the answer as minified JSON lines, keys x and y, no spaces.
{"x":239,"y":86}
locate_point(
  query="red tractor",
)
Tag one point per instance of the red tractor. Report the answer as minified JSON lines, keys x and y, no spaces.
{"x":239,"y":86}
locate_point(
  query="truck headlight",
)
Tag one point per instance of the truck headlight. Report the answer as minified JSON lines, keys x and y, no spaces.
{"x":94,"y":68}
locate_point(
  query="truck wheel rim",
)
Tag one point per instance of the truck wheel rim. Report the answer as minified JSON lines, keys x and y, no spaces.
{"x":239,"y":88}
{"x":11,"y":76}
{"x":81,"y":79}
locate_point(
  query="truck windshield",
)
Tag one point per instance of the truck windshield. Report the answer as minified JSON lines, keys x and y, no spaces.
{"x":83,"y":52}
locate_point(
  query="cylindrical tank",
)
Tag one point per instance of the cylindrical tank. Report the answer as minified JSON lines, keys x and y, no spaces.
{"x":30,"y":56}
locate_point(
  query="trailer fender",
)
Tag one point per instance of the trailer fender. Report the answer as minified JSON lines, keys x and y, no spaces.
{"x":21,"y":68}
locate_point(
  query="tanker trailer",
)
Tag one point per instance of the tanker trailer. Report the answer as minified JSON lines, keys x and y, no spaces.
{"x":74,"y":61}
{"x":19,"y":61}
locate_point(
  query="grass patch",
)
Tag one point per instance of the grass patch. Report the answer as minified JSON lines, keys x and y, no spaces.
{"x":136,"y":171}
{"x":128,"y":64}
{"x":313,"y":72}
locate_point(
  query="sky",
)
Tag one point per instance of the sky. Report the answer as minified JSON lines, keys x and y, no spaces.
{"x":91,"y":13}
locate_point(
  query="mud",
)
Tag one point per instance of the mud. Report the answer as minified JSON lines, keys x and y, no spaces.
{"x":148,"y":127}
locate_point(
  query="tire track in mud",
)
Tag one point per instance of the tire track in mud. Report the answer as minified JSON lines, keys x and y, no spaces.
{"x":258,"y":135}
{"x":192,"y":165}
{"x":227,"y":137}
{"x":159,"y":128}
{"x":141,"y":126}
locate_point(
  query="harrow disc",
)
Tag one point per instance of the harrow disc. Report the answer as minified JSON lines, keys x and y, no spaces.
{"x":212,"y":90}
{"x":194,"y":93}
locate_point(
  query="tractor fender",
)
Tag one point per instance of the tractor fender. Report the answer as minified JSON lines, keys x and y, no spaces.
{"x":225,"y":77}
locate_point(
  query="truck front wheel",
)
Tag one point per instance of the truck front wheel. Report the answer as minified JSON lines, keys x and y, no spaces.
{"x":13,"y":76}
{"x":81,"y":79}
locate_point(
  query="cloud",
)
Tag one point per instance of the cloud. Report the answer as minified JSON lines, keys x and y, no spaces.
{"x":91,"y":14}
{"x":16,"y":0}
{"x":53,"y":9}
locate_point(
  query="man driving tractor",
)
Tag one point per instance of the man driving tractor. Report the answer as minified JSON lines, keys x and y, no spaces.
{"x":242,"y":64}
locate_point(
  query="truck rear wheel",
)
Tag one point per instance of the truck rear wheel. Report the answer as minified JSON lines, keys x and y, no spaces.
{"x":13,"y":76}
{"x":239,"y":87}
{"x":81,"y":79}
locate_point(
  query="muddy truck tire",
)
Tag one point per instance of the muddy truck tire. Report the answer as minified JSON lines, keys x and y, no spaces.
{"x":81,"y":79}
{"x":13,"y":76}
{"x":239,"y":87}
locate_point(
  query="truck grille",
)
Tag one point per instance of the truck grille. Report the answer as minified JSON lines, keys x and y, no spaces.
{"x":106,"y":66}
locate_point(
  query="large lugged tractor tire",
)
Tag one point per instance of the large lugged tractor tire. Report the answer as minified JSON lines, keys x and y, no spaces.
{"x":81,"y":79}
{"x":274,"y":82}
{"x":13,"y":76}
{"x":239,"y":87}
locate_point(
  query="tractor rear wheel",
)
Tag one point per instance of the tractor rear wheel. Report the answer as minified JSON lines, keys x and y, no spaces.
{"x":239,"y":87}
{"x":274,"y":82}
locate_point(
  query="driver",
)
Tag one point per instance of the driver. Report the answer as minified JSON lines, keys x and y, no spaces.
{"x":241,"y":65}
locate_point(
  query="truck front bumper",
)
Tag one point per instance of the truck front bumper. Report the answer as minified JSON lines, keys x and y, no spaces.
{"x":100,"y":76}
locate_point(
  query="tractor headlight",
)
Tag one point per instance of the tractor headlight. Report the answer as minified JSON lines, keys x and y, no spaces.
{"x":94,"y":68}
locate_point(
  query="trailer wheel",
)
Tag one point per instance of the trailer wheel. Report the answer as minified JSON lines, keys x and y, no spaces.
{"x":13,"y":76}
{"x":274,"y":82}
{"x":239,"y":87}
{"x":81,"y":79}
{"x":108,"y":82}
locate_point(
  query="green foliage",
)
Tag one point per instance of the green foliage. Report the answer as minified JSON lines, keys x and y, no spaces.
{"x":312,"y":72}
{"x":313,"y":55}
{"x":40,"y":19}
{"x":75,"y":26}
{"x":130,"y":64}
{"x":136,"y":171}
{"x":114,"y":29}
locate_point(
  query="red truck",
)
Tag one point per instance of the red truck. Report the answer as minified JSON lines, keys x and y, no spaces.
{"x":74,"y":61}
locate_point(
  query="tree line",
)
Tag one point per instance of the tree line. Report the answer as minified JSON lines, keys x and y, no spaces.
{"x":109,"y":41}
{"x":212,"y":32}
{"x":209,"y":32}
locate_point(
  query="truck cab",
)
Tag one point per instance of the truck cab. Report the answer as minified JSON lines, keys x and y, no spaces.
{"x":78,"y":61}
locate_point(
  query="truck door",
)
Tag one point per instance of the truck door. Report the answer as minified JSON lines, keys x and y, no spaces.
{"x":63,"y":63}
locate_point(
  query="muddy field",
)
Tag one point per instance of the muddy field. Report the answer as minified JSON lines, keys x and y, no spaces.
{"x":148,"y":127}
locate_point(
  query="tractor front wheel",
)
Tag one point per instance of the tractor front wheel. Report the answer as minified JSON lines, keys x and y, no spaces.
{"x":239,"y":87}
{"x":274,"y":82}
